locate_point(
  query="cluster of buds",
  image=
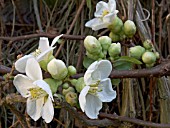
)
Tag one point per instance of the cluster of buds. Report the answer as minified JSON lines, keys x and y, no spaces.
{"x":120,"y":30}
{"x":98,"y":49}
{"x":147,"y":53}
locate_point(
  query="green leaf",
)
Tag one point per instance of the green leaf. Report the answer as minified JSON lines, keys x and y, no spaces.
{"x":128,"y":59}
{"x":89,"y":5}
{"x":87,"y":62}
{"x":124,"y":65}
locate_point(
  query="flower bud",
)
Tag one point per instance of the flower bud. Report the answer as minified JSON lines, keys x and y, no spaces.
{"x":43,"y":63}
{"x":71,"y":70}
{"x":149,"y":57}
{"x":54,"y":84}
{"x":129,"y":28}
{"x":92,"y":56}
{"x":70,"y":89}
{"x":71,"y":98}
{"x":65,"y":86}
{"x":92,"y":45}
{"x":114,"y":49}
{"x":116,"y":25}
{"x":147,"y":44}
{"x":150,"y":65}
{"x":73,"y":82}
{"x":105,"y":42}
{"x":114,"y":37}
{"x":157,"y":55}
{"x":137,"y":52}
{"x":57,"y":69}
{"x":80,"y":84}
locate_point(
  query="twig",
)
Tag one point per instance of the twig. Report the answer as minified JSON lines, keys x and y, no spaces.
{"x":133,"y":120}
{"x":71,"y":26}
{"x":18,"y":38}
{"x":153,"y":21}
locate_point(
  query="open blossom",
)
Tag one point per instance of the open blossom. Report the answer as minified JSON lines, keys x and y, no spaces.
{"x":41,"y":53}
{"x":98,"y":88}
{"x":104,"y":15}
{"x":36,"y":90}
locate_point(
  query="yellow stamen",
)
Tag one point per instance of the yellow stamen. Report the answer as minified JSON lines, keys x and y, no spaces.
{"x":37,"y":52}
{"x":37,"y":93}
{"x":105,"y":12}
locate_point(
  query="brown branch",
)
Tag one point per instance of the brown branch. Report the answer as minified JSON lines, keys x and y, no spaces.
{"x":157,"y":71}
{"x":65,"y":36}
{"x":133,"y":120}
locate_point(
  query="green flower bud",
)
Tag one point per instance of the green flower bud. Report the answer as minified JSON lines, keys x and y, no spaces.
{"x":70,"y":89}
{"x":92,"y":45}
{"x":54,"y":84}
{"x":147,"y":44}
{"x":149,"y":57}
{"x":114,"y":37}
{"x":43,"y":63}
{"x":65,"y":86}
{"x":137,"y":52}
{"x":116,"y":25}
{"x":57,"y":69}
{"x":92,"y":56}
{"x":129,"y":28}
{"x":157,"y":55}
{"x":71,"y":70}
{"x":150,"y":65}
{"x":114,"y":49}
{"x":71,"y":98}
{"x":73,"y":81}
{"x":105,"y":42}
{"x":80,"y":84}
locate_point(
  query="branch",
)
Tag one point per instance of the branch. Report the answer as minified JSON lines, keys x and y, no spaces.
{"x":65,"y":36}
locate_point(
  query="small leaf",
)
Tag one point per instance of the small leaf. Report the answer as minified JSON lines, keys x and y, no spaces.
{"x":124,"y":65}
{"x":129,"y":59}
{"x":87,"y":62}
{"x":89,"y":5}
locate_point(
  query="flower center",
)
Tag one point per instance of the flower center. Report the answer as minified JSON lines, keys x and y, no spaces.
{"x":94,"y":88}
{"x":36,"y":53}
{"x":105,"y":12}
{"x":37,"y":93}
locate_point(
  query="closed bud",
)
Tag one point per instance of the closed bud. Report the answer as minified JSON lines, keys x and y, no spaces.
{"x":149,"y":57}
{"x":114,"y":49}
{"x":73,"y":82}
{"x":80,"y":84}
{"x":116,"y":25}
{"x":57,"y":69}
{"x":70,"y":89}
{"x":147,"y":44}
{"x":105,"y":42}
{"x":92,"y":45}
{"x":157,"y":55}
{"x":114,"y":37}
{"x":43,"y":63}
{"x":129,"y":28}
{"x":137,"y":52}
{"x":93,"y":56}
{"x":150,"y":65}
{"x":71,"y":70}
{"x":71,"y":98}
{"x":65,"y":86}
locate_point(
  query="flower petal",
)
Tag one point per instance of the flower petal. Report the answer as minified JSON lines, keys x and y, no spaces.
{"x":42,"y":84}
{"x":96,"y":24}
{"x":20,"y":64}
{"x":100,"y":7}
{"x":112,"y":5}
{"x":93,"y":105}
{"x":23,"y":84}
{"x":103,"y":70}
{"x":44,"y":54}
{"x":107,"y":19}
{"x":55,"y":40}
{"x":34,"y":108}
{"x":107,"y":94}
{"x":33,"y":70}
{"x":48,"y":111}
{"x":43,"y":44}
{"x":82,"y":97}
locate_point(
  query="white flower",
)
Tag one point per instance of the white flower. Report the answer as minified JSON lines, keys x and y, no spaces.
{"x":43,"y":50}
{"x":36,"y":90}
{"x":98,"y":88}
{"x":105,"y":13}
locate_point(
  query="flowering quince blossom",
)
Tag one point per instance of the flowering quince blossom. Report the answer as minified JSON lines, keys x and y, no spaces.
{"x":105,"y":13}
{"x":43,"y":49}
{"x":36,"y":90}
{"x":98,"y":88}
